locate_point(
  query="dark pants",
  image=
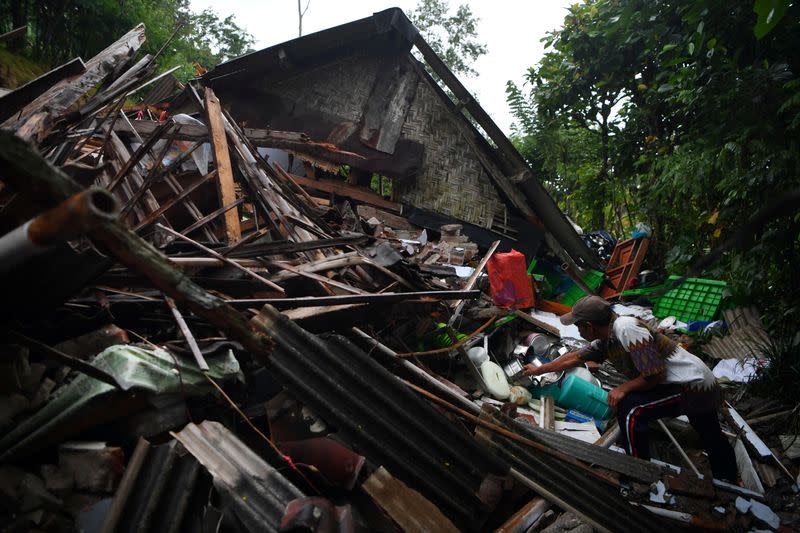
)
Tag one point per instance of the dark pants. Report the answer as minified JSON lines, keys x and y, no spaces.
{"x":637,"y":409}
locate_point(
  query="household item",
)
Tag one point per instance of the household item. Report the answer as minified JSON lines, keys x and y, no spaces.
{"x":516,"y":375}
{"x":542,"y":344}
{"x":583,"y":373}
{"x":520,"y":395}
{"x":624,"y":265}
{"x":575,"y":393}
{"x":478,"y":355}
{"x":544,"y":379}
{"x":495,"y":380}
{"x":509,"y":282}
{"x":695,"y":299}
{"x":592,"y":279}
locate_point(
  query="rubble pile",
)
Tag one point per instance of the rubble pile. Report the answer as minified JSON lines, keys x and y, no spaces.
{"x":196,"y":338}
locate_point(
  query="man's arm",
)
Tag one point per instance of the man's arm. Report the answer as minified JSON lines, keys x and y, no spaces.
{"x":566,"y":361}
{"x":640,"y":383}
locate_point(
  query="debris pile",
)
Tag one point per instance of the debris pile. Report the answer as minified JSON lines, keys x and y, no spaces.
{"x":196,"y":337}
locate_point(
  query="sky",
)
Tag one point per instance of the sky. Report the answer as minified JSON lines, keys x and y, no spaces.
{"x":511,"y":29}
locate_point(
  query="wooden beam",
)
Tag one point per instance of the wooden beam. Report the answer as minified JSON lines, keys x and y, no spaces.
{"x":471,"y":281}
{"x":354,"y":192}
{"x":315,"y":277}
{"x":12,"y":102}
{"x":409,"y":509}
{"x":37,"y":118}
{"x":222,"y":158}
{"x":222,"y":258}
{"x":382,"y":298}
{"x":13,"y":34}
{"x":211,"y":216}
{"x":388,"y":104}
{"x":177,"y":199}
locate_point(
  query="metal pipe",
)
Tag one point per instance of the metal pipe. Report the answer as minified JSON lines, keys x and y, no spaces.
{"x":187,"y":333}
{"x":69,"y":220}
{"x":679,"y":448}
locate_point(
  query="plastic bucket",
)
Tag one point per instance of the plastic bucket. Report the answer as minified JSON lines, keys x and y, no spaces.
{"x":575,"y":393}
{"x":585,"y":397}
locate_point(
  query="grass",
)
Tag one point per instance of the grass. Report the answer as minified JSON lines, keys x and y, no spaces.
{"x":16,"y":69}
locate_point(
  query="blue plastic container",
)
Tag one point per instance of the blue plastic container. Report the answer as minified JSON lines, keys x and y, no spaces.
{"x":576,"y":393}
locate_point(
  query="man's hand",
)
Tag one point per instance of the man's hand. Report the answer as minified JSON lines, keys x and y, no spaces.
{"x":530,"y":370}
{"x":616,"y":395}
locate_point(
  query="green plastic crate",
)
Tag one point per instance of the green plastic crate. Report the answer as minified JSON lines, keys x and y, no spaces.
{"x":646,"y":291}
{"x":695,"y":299}
{"x":593,"y":279}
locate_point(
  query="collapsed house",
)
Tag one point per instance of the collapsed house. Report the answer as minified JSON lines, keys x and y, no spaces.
{"x":224,"y":334}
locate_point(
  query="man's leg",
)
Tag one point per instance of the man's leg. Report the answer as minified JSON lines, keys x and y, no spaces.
{"x":719,"y":450}
{"x":637,"y":409}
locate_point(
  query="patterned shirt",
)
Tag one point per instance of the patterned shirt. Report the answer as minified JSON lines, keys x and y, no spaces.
{"x":635,"y":351}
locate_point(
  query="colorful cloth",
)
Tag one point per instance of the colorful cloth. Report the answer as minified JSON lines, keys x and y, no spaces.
{"x":635,"y":350}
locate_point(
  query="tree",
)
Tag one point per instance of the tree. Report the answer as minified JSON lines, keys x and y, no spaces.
{"x":454,"y":37}
{"x":62,"y":29}
{"x":701,"y":104}
{"x":300,"y":14}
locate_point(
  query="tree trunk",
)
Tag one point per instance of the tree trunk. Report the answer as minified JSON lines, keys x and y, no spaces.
{"x":19,"y":17}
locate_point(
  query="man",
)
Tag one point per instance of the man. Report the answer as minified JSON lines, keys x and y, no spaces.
{"x":664,"y":380}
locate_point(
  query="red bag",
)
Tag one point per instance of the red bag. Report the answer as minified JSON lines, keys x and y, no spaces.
{"x":508,"y":278}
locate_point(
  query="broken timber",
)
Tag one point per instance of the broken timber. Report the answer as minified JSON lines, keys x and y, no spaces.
{"x":227,"y":191}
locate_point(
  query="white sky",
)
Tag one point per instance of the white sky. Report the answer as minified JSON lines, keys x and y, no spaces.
{"x":511,"y":29}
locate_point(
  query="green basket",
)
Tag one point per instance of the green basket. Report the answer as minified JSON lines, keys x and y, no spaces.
{"x":593,"y":279}
{"x":646,"y":292}
{"x":695,"y":299}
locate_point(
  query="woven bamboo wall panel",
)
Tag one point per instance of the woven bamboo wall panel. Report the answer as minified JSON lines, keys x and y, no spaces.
{"x":340,"y":88}
{"x":452,"y":180}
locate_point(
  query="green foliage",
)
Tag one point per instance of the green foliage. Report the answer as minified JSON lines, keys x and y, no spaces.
{"x":63,"y":29}
{"x":454,"y":37}
{"x":781,"y":374}
{"x":377,"y":181}
{"x":674,"y":113}
{"x":17,"y":70}
{"x":770,"y":13}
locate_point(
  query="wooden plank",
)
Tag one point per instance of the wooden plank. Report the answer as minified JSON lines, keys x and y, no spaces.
{"x":12,"y":102}
{"x":387,"y":219}
{"x":211,"y":216}
{"x":13,"y":34}
{"x":746,"y":469}
{"x":526,"y":316}
{"x":170,"y":203}
{"x":36,"y":119}
{"x":408,"y":508}
{"x":526,"y":517}
{"x":381,"y":298}
{"x":353,"y":192}
{"x":222,"y":158}
{"x":286,"y":140}
{"x":387,"y":105}
{"x":222,"y":258}
{"x":315,"y":277}
{"x":472,"y":279}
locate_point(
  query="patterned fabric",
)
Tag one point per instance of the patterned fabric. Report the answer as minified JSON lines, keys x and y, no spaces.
{"x":635,"y":350}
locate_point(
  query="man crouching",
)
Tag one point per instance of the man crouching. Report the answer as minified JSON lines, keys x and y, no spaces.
{"x":664,"y":380}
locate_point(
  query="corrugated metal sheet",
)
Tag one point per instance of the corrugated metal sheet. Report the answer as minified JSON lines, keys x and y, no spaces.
{"x":591,"y":497}
{"x":163,"y":490}
{"x":256,"y":492}
{"x":162,"y":90}
{"x":384,"y":420}
{"x":747,"y":337}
